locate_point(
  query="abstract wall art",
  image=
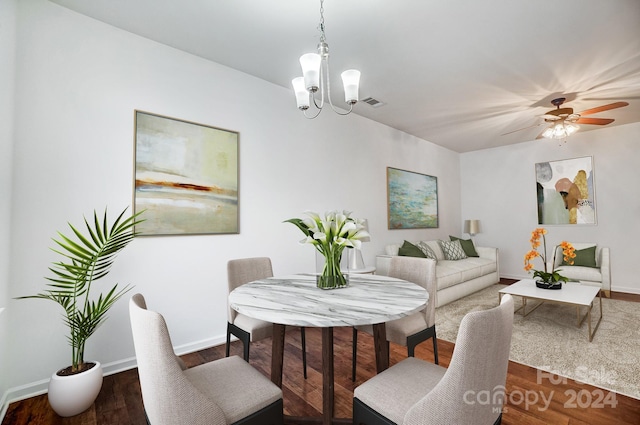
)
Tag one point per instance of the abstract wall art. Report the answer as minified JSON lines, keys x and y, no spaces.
{"x":565,"y":192}
{"x":412,"y":200}
{"x":186,"y":177}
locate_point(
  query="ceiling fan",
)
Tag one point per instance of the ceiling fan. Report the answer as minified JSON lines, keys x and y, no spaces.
{"x":564,"y":122}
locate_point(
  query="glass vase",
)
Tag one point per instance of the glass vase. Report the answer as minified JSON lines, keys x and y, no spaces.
{"x":330,"y":274}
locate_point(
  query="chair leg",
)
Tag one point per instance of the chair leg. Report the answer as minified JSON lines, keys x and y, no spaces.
{"x":354,"y":354}
{"x":242,"y":335}
{"x":304,"y":351}
{"x":417,"y":338}
{"x":228,"y":339}
{"x":435,"y":347}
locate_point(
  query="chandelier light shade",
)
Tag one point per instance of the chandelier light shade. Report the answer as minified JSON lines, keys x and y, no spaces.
{"x":314,"y":83}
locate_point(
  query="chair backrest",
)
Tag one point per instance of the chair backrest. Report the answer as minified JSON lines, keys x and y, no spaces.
{"x":577,"y":246}
{"x":169,"y":397}
{"x":421,"y":271}
{"x":472,"y":390}
{"x":244,"y":270}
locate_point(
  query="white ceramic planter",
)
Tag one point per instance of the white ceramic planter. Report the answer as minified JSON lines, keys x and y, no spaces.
{"x":71,"y":395}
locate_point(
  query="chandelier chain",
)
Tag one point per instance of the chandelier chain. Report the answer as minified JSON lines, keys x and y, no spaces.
{"x":323,"y":38}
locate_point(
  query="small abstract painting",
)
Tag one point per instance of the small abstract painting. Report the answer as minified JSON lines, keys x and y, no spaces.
{"x":186,"y":177}
{"x":412,"y":200}
{"x":565,"y":191}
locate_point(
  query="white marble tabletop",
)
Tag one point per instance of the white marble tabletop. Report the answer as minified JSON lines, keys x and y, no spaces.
{"x":295,"y":300}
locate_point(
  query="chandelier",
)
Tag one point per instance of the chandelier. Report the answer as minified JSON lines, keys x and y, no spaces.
{"x":315,"y":79}
{"x":560,"y":130}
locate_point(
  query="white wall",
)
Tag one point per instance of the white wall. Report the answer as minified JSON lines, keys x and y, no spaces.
{"x":7,"y":69}
{"x":499,"y":188}
{"x":78,"y":82}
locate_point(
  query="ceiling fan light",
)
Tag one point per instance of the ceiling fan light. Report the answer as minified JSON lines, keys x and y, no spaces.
{"x":351,"y":81}
{"x":302,"y":95}
{"x":571,"y":128}
{"x":548,"y":133}
{"x":559,"y":131}
{"x":310,"y":63}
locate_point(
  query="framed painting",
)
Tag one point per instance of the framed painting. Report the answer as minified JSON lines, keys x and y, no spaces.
{"x":565,"y":192}
{"x":186,"y":177}
{"x":412,"y":200}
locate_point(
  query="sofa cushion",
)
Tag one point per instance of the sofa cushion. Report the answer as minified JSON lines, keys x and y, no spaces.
{"x":410,"y":250}
{"x":584,"y":258}
{"x":450,"y":273}
{"x":427,"y":250}
{"x":467,"y":246}
{"x":435,"y":246}
{"x":580,"y":273}
{"x":452,"y":250}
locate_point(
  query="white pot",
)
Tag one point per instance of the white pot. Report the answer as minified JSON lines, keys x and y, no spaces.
{"x":73,"y":394}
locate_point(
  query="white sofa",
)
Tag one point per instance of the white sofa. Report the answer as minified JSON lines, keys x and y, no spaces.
{"x":454,"y":279}
{"x":600,"y":275}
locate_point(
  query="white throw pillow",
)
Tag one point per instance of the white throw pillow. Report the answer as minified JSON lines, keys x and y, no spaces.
{"x":452,"y":250}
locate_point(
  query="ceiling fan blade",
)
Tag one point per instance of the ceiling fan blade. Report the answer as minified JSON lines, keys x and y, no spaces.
{"x":520,"y":129}
{"x":595,"y":121}
{"x":604,"y":108}
{"x":539,"y":136}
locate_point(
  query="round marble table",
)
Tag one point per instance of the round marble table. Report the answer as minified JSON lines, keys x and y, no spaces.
{"x":295,"y":300}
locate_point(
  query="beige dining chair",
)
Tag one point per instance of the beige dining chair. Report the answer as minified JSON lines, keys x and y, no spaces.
{"x":411,"y":330}
{"x":221,"y":392}
{"x":471,"y":391}
{"x":247,"y":329}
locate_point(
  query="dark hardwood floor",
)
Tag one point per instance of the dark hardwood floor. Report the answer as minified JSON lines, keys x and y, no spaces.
{"x":531,"y":399}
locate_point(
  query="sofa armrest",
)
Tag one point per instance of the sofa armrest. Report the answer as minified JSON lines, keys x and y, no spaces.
{"x":487,"y":252}
{"x":605,"y":268}
{"x":383,"y":262}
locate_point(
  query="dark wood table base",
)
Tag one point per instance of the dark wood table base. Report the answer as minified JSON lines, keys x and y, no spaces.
{"x":277,"y":353}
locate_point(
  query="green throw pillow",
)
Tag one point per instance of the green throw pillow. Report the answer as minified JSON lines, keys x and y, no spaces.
{"x":410,"y":250}
{"x":467,"y":246}
{"x":584,"y":257}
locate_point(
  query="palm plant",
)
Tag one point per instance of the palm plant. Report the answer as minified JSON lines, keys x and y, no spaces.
{"x":87,"y":259}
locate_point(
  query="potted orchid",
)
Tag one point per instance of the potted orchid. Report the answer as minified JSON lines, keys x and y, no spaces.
{"x":547,"y":279}
{"x":330,"y":235}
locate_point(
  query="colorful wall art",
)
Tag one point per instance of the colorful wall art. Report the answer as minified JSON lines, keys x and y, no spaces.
{"x":186,"y":177}
{"x":565,"y":191}
{"x":412,"y":200}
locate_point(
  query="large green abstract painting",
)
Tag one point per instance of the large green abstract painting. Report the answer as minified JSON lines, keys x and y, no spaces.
{"x":565,"y":191}
{"x":186,"y":177}
{"x":412,"y":200}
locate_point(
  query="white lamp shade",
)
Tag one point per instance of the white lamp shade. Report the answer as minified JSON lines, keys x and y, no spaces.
{"x":302,"y":95}
{"x":351,"y":81}
{"x":310,"y":63}
{"x":571,"y":128}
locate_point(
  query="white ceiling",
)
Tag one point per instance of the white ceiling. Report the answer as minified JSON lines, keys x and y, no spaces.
{"x":458,"y":73}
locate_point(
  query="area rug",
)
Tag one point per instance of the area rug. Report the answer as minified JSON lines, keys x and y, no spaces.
{"x":548,"y":339}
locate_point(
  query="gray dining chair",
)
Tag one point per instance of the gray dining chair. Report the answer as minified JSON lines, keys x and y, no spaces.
{"x":247,"y":329}
{"x":471,"y":391}
{"x":411,"y":330}
{"x":221,"y":392}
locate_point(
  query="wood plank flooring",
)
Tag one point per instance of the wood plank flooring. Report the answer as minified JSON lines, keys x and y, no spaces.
{"x":532,"y":398}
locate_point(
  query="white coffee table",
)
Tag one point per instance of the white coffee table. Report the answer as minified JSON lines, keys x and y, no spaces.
{"x":571,"y":293}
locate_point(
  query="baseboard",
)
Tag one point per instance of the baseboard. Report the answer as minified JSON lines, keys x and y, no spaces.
{"x":37,"y":388}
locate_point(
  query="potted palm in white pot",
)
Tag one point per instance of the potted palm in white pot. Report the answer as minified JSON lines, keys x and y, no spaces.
{"x":86,"y":258}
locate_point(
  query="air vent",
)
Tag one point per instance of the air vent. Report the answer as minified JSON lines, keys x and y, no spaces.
{"x":372,"y":102}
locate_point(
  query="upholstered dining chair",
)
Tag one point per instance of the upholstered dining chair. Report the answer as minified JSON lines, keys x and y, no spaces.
{"x":411,"y":330}
{"x":247,"y":329}
{"x":470,"y":391}
{"x":221,"y":392}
